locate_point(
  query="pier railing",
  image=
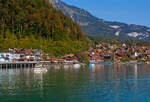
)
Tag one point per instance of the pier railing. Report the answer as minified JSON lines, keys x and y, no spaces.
{"x":20,"y":64}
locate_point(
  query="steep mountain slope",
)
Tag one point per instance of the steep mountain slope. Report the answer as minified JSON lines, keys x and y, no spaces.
{"x":94,"y":26}
{"x":36,"y":24}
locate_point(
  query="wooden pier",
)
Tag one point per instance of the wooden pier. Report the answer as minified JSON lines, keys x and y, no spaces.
{"x":24,"y":64}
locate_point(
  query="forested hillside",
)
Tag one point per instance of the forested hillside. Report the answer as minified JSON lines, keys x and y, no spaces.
{"x":36,"y":24}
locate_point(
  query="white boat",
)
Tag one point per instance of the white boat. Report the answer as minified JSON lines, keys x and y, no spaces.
{"x":38,"y":66}
{"x":40,"y":69}
{"x":77,"y":66}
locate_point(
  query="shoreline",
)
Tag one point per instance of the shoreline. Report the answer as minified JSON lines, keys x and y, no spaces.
{"x":121,"y":62}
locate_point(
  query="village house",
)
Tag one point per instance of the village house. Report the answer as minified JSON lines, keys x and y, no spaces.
{"x":37,"y":54}
{"x":8,"y":56}
{"x":24,"y":54}
{"x":120,"y":52}
{"x":70,"y":58}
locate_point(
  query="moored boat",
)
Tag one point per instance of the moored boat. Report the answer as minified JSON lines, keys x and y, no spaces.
{"x":40,"y":69}
{"x":77,"y":66}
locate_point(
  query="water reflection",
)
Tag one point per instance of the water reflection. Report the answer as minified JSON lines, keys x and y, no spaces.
{"x":135,"y":71}
{"x":124,"y":82}
{"x":101,"y":83}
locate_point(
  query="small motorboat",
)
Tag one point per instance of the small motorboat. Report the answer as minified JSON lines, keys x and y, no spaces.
{"x":77,"y":66}
{"x":40,"y":69}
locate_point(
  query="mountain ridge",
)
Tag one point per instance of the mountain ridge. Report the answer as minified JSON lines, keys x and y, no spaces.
{"x":96,"y":27}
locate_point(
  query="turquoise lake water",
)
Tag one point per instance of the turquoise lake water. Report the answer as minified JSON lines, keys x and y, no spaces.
{"x":102,"y":83}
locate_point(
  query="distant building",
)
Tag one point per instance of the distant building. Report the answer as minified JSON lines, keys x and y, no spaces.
{"x":37,"y":54}
{"x":8,"y":56}
{"x":2,"y":59}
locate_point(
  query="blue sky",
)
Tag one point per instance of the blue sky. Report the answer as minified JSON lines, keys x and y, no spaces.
{"x":127,"y":11}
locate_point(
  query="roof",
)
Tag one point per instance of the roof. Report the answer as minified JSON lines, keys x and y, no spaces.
{"x":5,"y":51}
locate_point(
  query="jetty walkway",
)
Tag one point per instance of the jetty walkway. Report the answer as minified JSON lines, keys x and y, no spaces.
{"x":20,"y":64}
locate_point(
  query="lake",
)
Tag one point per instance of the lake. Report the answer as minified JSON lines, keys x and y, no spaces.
{"x":102,"y":83}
